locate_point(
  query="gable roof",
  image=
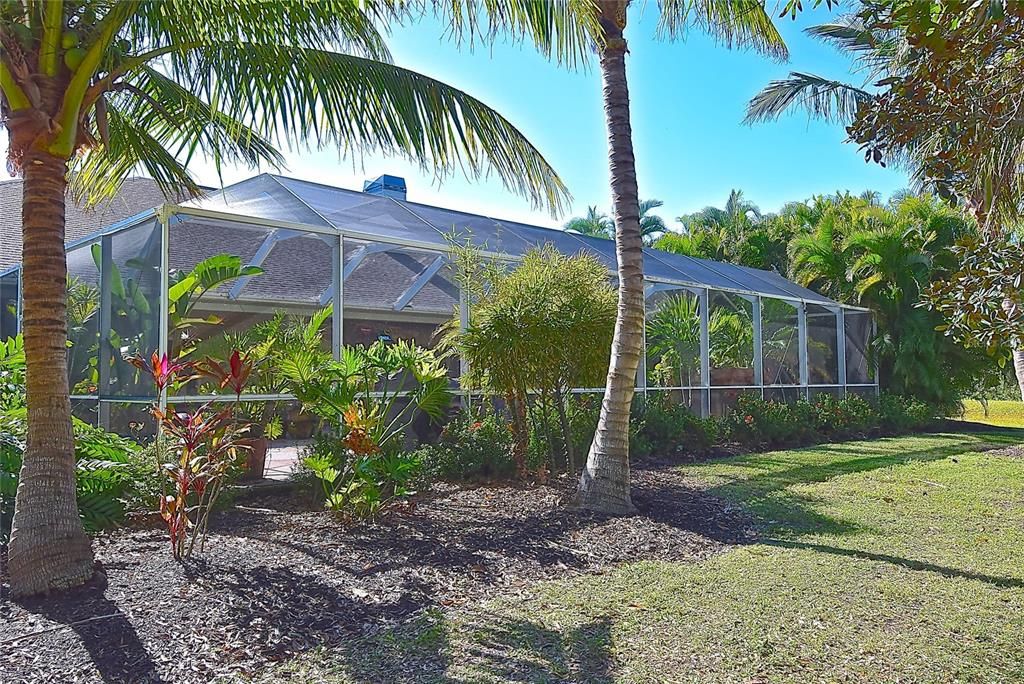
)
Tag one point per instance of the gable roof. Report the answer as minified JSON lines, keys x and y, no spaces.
{"x":136,"y":195}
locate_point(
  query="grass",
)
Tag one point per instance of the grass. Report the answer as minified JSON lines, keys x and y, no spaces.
{"x":1001,"y":413}
{"x":894,"y":560}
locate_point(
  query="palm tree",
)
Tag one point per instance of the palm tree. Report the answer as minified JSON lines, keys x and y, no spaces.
{"x":594,"y":224}
{"x":820,"y":259}
{"x":597,"y":224}
{"x":652,"y":226}
{"x":604,"y":484}
{"x":102,"y":88}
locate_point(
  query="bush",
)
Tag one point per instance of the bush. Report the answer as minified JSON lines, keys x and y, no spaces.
{"x":757,"y":422}
{"x":546,"y":449}
{"x":847,"y":417}
{"x":661,"y":427}
{"x":475,"y":445}
{"x":900,"y":414}
{"x":360,"y":483}
{"x":109,"y":479}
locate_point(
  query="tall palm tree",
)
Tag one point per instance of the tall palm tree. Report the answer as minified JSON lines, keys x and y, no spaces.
{"x":604,"y":484}
{"x":101,"y":88}
{"x":596,"y":224}
{"x":652,"y":226}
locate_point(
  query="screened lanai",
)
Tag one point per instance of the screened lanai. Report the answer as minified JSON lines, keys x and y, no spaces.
{"x":714,"y":330}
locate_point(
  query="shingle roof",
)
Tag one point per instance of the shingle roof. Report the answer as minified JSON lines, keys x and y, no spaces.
{"x":135,"y":196}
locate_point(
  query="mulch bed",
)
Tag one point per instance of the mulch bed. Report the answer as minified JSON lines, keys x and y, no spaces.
{"x":279,"y":578}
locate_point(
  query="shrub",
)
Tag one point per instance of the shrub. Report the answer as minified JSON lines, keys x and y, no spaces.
{"x":534,"y":333}
{"x":475,"y":445}
{"x":370,"y":397}
{"x":846,"y":417}
{"x":547,"y":449}
{"x":900,"y":414}
{"x":660,"y":426}
{"x":758,"y":422}
{"x":360,"y":482}
{"x":201,"y":450}
{"x":108,"y":479}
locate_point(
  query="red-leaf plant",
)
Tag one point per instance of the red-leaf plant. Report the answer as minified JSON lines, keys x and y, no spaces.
{"x":200,"y":448}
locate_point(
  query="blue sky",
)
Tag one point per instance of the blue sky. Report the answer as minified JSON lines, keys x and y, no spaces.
{"x":688,"y":100}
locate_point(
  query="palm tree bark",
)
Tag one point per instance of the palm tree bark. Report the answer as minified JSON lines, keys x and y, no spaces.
{"x":49,"y":550}
{"x":604,"y":484}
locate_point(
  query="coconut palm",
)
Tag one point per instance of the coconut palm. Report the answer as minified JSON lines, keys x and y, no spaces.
{"x":102,"y":88}
{"x":604,"y":484}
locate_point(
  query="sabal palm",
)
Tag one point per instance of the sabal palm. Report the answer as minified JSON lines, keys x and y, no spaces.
{"x":102,"y":88}
{"x":604,"y":484}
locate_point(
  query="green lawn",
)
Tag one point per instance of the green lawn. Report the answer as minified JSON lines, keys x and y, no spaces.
{"x":1003,"y":413}
{"x":894,"y":560}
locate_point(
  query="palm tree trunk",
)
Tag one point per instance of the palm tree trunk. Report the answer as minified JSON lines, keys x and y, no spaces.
{"x":604,"y":484}
{"x":49,"y":550}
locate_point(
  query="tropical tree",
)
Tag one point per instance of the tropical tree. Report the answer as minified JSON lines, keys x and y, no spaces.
{"x":938,"y":75}
{"x":597,"y":224}
{"x":103,"y":88}
{"x":604,"y":484}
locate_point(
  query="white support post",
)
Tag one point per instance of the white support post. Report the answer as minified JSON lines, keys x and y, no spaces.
{"x":641,"y":369}
{"x":758,"y":345}
{"x":20,"y":304}
{"x":164,"y":218}
{"x":801,"y":312}
{"x":105,"y":352}
{"x":841,"y":348}
{"x":338,"y":288}
{"x":705,"y":354}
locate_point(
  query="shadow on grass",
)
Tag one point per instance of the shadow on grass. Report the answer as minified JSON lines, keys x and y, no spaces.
{"x":1002,"y":582}
{"x":500,"y":649}
{"x":769,"y":493}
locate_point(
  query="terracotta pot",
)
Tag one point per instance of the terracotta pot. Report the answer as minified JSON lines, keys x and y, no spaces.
{"x":732,"y":376}
{"x":257,"y":459}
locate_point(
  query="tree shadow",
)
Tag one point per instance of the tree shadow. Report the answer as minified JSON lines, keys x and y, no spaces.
{"x":499,"y":649}
{"x":769,"y":492}
{"x":114,"y":646}
{"x":910,"y":564}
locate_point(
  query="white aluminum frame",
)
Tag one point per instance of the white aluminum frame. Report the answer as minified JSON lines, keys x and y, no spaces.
{"x":341,"y":268}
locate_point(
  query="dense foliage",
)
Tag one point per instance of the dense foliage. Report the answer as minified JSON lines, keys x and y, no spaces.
{"x":477,"y":445}
{"x":534,"y":333}
{"x":110,"y":478}
{"x":368,"y":399}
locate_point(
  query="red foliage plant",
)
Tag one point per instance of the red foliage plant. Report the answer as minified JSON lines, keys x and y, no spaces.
{"x":200,"y":449}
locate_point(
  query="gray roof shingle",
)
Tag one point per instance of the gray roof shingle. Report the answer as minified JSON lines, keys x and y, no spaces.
{"x":135,"y":196}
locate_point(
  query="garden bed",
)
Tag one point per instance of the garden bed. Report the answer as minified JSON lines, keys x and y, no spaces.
{"x":279,"y":577}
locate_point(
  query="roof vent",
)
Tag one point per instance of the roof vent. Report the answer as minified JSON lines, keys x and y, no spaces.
{"x":388,"y":186}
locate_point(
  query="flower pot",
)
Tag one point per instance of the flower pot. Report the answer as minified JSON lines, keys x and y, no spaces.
{"x":256,"y":461}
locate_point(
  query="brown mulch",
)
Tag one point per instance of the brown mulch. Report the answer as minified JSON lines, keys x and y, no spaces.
{"x":279,"y":578}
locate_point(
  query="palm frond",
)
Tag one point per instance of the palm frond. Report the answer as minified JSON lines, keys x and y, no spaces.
{"x":820,"y":97}
{"x":565,"y":31}
{"x":734,"y":23}
{"x":364,"y":106}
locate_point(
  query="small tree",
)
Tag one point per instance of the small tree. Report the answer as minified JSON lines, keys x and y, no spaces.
{"x":536,"y":331}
